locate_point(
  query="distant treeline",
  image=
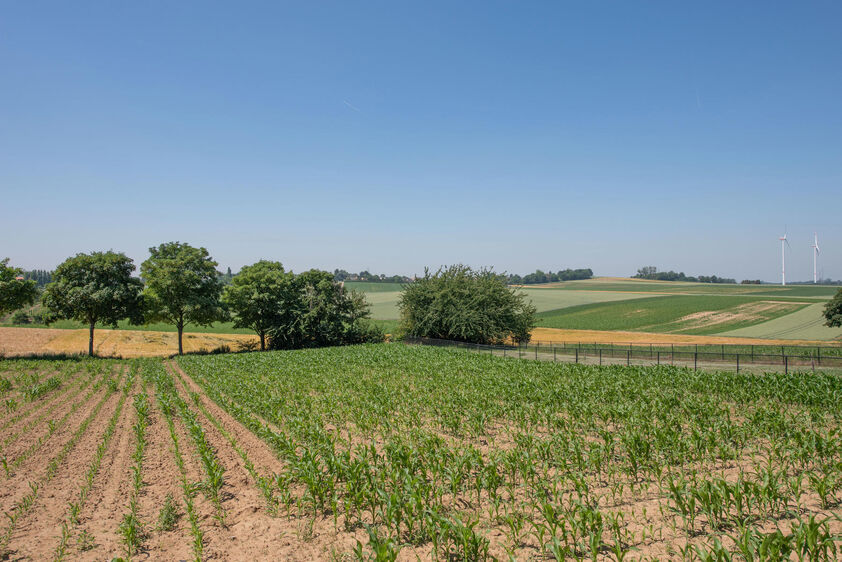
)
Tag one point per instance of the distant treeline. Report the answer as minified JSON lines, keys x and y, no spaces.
{"x":818,"y":282}
{"x":550,"y":277}
{"x":342,"y":275}
{"x":651,"y":272}
{"x":40,"y":276}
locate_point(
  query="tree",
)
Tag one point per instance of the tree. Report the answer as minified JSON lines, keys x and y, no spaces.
{"x":458,"y":303}
{"x":259,"y":296}
{"x":96,"y":287}
{"x":833,"y":311}
{"x":182,"y":287}
{"x":320,"y":312}
{"x":14,"y":293}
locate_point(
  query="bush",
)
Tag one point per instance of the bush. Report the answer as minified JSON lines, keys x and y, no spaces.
{"x":458,"y":303}
{"x":21,"y":317}
{"x":833,"y":311}
{"x":319,"y":312}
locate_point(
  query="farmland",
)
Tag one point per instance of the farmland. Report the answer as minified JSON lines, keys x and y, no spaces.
{"x":390,"y":450}
{"x":660,"y":307}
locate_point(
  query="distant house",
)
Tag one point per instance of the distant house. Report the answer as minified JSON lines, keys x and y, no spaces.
{"x":19,"y":278}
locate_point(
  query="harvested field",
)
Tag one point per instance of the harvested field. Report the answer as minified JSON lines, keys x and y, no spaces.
{"x":20,"y":341}
{"x":397,"y":452}
{"x":112,"y":343}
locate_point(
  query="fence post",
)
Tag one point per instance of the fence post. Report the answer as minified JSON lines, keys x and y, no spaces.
{"x":819,"y":350}
{"x":577,"y":356}
{"x":696,"y":359}
{"x":536,"y":351}
{"x":554,"y":354}
{"x":659,"y":358}
{"x":752,"y":353}
{"x":600,"y":357}
{"x":628,"y":356}
{"x":723,"y":352}
{"x":786,"y":364}
{"x":504,"y":351}
{"x":738,"y":362}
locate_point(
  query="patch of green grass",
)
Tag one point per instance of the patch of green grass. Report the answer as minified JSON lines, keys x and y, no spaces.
{"x":662,"y":314}
{"x":680,"y":287}
{"x":369,"y":287}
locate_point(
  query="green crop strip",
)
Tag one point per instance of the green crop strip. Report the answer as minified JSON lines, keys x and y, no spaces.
{"x":154,"y":373}
{"x":426,"y":446}
{"x":76,"y":507}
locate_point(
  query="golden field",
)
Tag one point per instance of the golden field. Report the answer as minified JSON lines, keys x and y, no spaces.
{"x":117,"y":343}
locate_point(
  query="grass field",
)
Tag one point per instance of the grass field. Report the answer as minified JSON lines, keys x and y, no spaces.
{"x":608,"y":304}
{"x":688,"y":314}
{"x":395,"y":452}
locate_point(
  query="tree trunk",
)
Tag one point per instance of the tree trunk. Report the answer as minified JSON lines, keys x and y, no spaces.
{"x":262,"y":341}
{"x":91,"y":340}
{"x":180,"y":327}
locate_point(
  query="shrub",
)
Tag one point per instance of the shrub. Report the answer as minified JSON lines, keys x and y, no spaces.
{"x":459,"y":303}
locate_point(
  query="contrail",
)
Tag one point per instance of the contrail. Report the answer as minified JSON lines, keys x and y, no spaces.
{"x":349,"y":104}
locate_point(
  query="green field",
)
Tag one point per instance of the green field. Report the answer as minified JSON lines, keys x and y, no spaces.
{"x":614,"y":304}
{"x":682,"y":314}
{"x":807,"y":323}
{"x":588,"y":305}
{"x":675,"y":287}
{"x":368,"y":287}
{"x":480,"y":456}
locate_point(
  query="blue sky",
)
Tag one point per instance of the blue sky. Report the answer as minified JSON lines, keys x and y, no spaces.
{"x":395,"y":135}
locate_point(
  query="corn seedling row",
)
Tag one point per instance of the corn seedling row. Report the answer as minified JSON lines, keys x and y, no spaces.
{"x":25,"y":504}
{"x":74,"y":508}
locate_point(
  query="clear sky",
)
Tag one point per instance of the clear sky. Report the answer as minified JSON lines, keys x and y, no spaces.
{"x":394,"y":135}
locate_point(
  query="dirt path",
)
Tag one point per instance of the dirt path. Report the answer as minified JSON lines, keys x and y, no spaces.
{"x":36,"y":535}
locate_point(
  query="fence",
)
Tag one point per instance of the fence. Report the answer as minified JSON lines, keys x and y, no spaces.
{"x":738,"y":358}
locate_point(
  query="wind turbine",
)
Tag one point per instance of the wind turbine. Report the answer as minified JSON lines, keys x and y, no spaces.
{"x":783,"y":257}
{"x":816,"y":251}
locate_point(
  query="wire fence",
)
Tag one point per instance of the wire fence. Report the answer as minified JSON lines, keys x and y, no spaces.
{"x":723,"y":358}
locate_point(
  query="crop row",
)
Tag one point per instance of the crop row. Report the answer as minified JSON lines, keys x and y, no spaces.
{"x":434,"y":447}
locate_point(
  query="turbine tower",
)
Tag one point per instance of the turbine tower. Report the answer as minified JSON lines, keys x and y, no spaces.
{"x":783,"y":257}
{"x":816,"y":251}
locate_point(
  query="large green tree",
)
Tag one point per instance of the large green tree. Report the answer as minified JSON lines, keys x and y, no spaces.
{"x":321,"y":312}
{"x":459,"y":303}
{"x":96,"y":287}
{"x":262,"y":296}
{"x":182,"y":287}
{"x":14,"y":293}
{"x":833,"y":311}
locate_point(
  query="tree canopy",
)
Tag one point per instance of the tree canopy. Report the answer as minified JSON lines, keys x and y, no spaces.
{"x":96,"y":287}
{"x":14,"y":293}
{"x":459,"y":303}
{"x":182,"y":287}
{"x":320,"y":312}
{"x":260,"y":296}
{"x":833,"y":311}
